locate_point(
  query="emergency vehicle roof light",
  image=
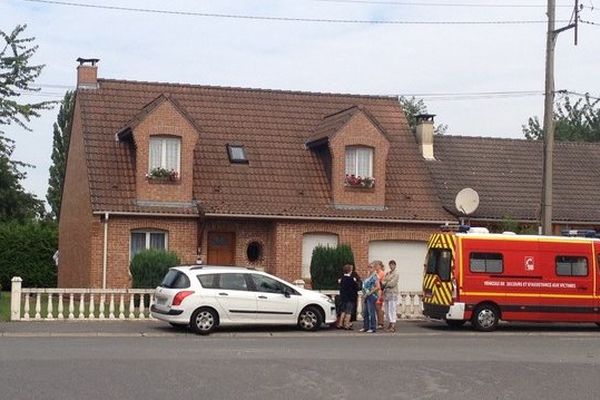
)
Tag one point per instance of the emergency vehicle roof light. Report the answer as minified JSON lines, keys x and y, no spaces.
{"x":479,"y":230}
{"x":590,"y":233}
{"x":455,"y":228}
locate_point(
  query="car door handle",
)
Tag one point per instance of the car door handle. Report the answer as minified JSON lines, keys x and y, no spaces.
{"x":223,"y":294}
{"x":262,"y":297}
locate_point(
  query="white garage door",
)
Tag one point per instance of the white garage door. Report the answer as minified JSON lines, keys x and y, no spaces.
{"x":409,"y":256}
{"x":309,"y":242}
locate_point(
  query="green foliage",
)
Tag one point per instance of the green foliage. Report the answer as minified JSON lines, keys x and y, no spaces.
{"x":16,"y":77}
{"x":413,"y":107}
{"x":576,"y":122}
{"x":149,"y":267}
{"x":26,"y":250}
{"x":60,"y":147}
{"x":508,"y":224}
{"x":326,"y":265}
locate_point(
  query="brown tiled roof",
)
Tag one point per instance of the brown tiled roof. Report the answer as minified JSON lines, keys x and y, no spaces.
{"x":507,"y":174}
{"x":282,"y":178}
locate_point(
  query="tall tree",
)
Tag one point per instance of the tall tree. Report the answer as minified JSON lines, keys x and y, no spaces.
{"x":16,"y":77}
{"x":60,"y":146}
{"x":413,"y":107}
{"x":577,"y":121}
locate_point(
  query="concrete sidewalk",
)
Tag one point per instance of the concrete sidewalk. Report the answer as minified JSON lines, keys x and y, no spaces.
{"x":151,"y":328}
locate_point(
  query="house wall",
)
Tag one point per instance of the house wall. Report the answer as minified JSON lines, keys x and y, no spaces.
{"x":182,"y":239}
{"x":75,"y":219}
{"x":359,"y":131}
{"x":165,"y":120}
{"x":287,"y":262}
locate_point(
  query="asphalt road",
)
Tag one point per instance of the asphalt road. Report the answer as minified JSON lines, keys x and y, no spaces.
{"x":421,"y":361}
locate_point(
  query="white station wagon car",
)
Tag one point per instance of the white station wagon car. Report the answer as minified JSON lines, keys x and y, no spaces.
{"x":205,"y":297}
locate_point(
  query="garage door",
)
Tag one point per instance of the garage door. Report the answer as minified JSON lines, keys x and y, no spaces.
{"x":409,"y":256}
{"x":309,"y":242}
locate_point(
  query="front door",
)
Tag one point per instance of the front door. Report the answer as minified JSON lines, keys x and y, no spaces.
{"x":272,"y":304}
{"x":221,"y":248}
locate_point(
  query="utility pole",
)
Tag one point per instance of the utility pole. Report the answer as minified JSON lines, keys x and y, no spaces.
{"x":552,"y":34}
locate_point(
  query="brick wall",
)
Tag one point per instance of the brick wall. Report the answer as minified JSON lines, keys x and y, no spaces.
{"x":182,"y":234}
{"x":359,"y":131}
{"x":287,"y":262}
{"x":165,"y":120}
{"x":75,"y":220}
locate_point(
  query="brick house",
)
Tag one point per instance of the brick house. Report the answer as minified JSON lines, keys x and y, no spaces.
{"x":255,"y":177}
{"x":507,"y":174}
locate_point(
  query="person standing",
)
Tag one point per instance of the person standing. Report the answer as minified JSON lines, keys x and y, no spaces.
{"x":379,"y":304}
{"x":348,"y":290}
{"x":390,"y":295}
{"x":370,"y":291}
{"x":358,"y":280}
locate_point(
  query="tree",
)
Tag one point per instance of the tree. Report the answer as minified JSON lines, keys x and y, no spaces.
{"x":60,"y":146}
{"x":413,"y":107}
{"x":577,"y":122}
{"x":16,"y":78}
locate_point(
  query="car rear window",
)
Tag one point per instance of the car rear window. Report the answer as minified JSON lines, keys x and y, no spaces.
{"x":175,"y":280}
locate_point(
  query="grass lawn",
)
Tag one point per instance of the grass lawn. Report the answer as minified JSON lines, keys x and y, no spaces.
{"x":5,"y":306}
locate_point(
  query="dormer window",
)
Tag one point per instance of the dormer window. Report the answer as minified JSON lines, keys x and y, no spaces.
{"x":359,"y":161}
{"x":165,"y":154}
{"x":237,"y":154}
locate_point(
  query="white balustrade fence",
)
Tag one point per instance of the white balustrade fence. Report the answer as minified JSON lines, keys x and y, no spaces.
{"x":410,"y":304}
{"x":27,"y":304}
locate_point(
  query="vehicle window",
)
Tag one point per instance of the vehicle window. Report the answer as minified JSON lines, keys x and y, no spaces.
{"x":490,"y":263}
{"x":175,"y":280}
{"x":233,"y":282}
{"x":265,"y":284}
{"x":439,"y":262}
{"x":571,"y":266}
{"x":209,"y":281}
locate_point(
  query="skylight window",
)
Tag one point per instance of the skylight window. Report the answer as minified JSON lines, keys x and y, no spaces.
{"x":237,"y":154}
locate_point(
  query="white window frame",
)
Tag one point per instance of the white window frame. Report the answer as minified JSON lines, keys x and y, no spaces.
{"x":147,"y":243}
{"x":356,"y":149}
{"x":163,"y":152}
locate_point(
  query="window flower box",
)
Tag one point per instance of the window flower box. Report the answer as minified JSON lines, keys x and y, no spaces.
{"x":365,"y":182}
{"x":162,"y":175}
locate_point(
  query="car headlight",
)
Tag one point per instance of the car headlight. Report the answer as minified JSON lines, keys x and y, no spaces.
{"x":328,"y":299}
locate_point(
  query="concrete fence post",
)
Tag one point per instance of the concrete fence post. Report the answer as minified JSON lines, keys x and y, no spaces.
{"x":15,"y":298}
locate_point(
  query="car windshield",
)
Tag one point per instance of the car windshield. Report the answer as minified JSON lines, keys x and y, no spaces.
{"x":175,"y":280}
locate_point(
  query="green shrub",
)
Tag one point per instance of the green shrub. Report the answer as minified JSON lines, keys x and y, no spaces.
{"x":326,"y":265}
{"x":26,"y":250}
{"x":149,"y":267}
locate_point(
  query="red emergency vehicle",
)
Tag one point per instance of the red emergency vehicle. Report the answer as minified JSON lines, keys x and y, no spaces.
{"x":482,"y":277}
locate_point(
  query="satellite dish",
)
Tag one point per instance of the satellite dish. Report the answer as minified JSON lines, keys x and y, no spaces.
{"x":467,"y":201}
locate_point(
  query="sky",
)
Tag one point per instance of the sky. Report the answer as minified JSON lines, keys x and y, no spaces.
{"x":441,"y":63}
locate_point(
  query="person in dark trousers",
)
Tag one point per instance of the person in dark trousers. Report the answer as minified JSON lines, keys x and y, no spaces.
{"x":358,"y":287}
{"x":348,"y":293}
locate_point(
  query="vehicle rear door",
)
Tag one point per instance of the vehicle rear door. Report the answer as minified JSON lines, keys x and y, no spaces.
{"x":276,"y":302}
{"x":233,"y":295}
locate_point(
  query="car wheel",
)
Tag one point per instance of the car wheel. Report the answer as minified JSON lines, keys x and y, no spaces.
{"x":455,"y":323}
{"x":204,"y":321}
{"x":310,"y":319}
{"x":485,"y":318}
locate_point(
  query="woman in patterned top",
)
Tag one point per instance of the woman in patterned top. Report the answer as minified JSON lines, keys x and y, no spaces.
{"x":370,"y":291}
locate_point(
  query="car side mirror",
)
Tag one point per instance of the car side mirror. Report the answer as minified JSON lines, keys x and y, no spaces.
{"x":286,"y":293}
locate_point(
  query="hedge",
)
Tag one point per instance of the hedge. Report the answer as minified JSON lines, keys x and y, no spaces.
{"x":26,"y":250}
{"x":326,"y":265}
{"x":149,"y":267}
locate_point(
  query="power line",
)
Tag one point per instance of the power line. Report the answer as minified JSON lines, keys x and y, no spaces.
{"x":285,"y":19}
{"x":434,"y":4}
{"x":589,"y":22}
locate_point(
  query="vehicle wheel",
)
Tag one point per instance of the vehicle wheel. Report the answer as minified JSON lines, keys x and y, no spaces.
{"x":455,"y":323}
{"x":485,"y":318}
{"x":204,"y":321}
{"x":310,"y":319}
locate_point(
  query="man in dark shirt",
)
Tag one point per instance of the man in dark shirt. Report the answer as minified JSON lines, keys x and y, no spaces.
{"x":348,"y":289}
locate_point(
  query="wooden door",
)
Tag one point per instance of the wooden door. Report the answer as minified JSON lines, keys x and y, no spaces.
{"x":221,"y":248}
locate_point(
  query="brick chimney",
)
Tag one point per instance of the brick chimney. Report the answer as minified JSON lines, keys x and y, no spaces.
{"x":87,"y":73}
{"x":424,"y":135}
